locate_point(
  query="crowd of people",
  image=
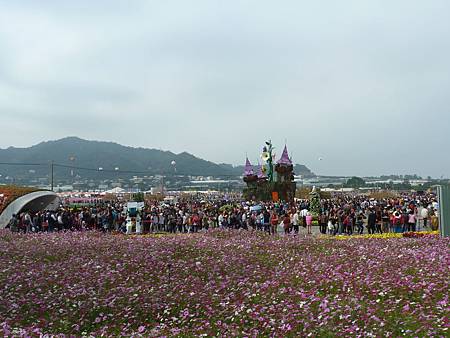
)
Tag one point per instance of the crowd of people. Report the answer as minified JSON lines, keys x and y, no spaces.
{"x":2,"y":201}
{"x":407,"y":212}
{"x":341,"y":214}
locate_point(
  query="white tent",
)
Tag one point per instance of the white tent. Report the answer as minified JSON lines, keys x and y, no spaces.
{"x":116,"y":191}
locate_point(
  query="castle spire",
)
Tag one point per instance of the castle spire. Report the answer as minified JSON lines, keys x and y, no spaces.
{"x":248,"y":169}
{"x":284,"y":159}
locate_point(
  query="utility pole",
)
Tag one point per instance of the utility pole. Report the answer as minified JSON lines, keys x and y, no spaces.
{"x":51,"y":173}
{"x":444,"y":210}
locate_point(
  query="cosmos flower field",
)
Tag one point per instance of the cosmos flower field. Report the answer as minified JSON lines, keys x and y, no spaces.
{"x":224,"y":283}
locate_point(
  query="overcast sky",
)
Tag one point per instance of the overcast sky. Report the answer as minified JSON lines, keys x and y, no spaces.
{"x":364,"y":84}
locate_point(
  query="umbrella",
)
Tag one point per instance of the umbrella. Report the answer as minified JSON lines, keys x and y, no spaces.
{"x":255,"y":208}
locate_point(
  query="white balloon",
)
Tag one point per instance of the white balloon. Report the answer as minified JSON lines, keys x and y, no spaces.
{"x":173,"y":162}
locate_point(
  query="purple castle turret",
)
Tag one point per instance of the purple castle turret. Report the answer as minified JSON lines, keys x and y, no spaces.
{"x":248,"y":169}
{"x":284,"y":159}
{"x":249,"y":174}
{"x":284,"y":167}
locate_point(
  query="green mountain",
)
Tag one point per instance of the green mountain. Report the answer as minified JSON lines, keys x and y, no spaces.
{"x":113,"y":158}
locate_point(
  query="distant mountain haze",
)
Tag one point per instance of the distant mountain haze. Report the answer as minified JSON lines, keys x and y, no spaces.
{"x":110,"y":156}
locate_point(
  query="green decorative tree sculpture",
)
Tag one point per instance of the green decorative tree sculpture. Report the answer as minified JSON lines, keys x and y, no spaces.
{"x":267,"y":157}
{"x":314,"y":202}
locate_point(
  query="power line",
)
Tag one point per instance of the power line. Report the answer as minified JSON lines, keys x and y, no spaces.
{"x":24,"y":164}
{"x":101,"y":170}
{"x":138,"y":172}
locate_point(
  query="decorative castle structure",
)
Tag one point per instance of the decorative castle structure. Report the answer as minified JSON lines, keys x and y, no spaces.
{"x":263,"y":186}
{"x":284,"y":167}
{"x":249,"y":174}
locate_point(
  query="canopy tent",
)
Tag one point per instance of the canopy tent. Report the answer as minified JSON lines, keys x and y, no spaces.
{"x":116,"y":191}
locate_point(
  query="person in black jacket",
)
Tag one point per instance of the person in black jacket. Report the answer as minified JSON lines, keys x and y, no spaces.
{"x":359,"y":222}
{"x":371,"y":221}
{"x":52,"y":221}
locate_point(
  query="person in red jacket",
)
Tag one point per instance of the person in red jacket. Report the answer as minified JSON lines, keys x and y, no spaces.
{"x":195,"y":222}
{"x":273,"y":222}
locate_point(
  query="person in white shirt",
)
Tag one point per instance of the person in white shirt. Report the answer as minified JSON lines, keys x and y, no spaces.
{"x":244,"y":218}
{"x":424,"y":216}
{"x":220,"y":220}
{"x":303,"y":214}
{"x":28,"y":222}
{"x":185,"y":222}
{"x":294,"y":220}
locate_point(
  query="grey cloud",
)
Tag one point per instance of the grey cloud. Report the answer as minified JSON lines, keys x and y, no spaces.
{"x":362,"y":84}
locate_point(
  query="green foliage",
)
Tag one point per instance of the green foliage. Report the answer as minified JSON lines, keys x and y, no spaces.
{"x":227,"y":208}
{"x":139,"y":197}
{"x":303,"y":193}
{"x":355,"y":182}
